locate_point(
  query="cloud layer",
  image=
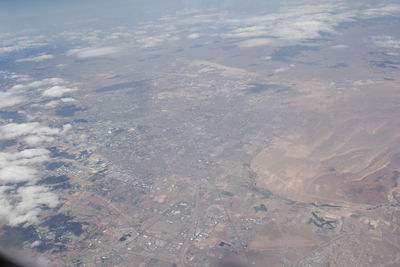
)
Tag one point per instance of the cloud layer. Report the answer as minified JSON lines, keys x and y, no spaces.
{"x":23,"y":204}
{"x":88,"y":52}
{"x":300,"y":23}
{"x":386,"y":42}
{"x":57,"y":91}
{"x":21,"y":43}
{"x":49,"y":87}
{"x":22,"y":198}
{"x":38,"y":58}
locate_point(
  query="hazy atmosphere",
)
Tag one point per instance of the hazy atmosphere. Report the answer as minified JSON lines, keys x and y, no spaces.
{"x":200,"y":133}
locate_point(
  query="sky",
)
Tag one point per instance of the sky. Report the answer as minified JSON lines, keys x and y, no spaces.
{"x":45,"y":15}
{"x":17,"y":15}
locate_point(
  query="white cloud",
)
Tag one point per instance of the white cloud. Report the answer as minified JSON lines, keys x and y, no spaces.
{"x":57,"y":91}
{"x":68,"y":100}
{"x":32,"y":133}
{"x":27,"y":156}
{"x":35,"y":140}
{"x":17,"y":93}
{"x":21,"y":197}
{"x":52,"y":104}
{"x":193,"y":36}
{"x":386,"y":42}
{"x":88,"y":52}
{"x":300,"y":23}
{"x":255,"y":42}
{"x":19,"y":77}
{"x":38,"y":58}
{"x":384,"y":10}
{"x":339,"y":46}
{"x":55,"y":103}
{"x":23,"y":205}
{"x":36,"y":84}
{"x":245,"y":32}
{"x":149,"y":42}
{"x":9,"y":99}
{"x":278,"y":70}
{"x":16,"y":167}
{"x":13,"y":130}
{"x":21,"y":43}
{"x":295,"y":23}
{"x":66,"y":128}
{"x":155,"y":40}
{"x":17,"y":174}
{"x":118,"y":36}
